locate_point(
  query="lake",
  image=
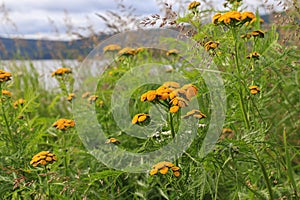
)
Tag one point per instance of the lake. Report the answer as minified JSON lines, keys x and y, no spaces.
{"x":43,"y":67}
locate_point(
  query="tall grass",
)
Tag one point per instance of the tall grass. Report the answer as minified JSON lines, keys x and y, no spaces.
{"x":256,"y":157}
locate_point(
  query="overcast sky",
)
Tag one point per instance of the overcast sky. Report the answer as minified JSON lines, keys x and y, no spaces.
{"x":47,"y":18}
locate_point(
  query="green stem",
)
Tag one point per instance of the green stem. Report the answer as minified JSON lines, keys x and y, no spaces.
{"x":218,"y":177}
{"x":173,"y":133}
{"x":171,"y":125}
{"x":288,"y":165}
{"x":236,"y":59}
{"x":265,"y":175}
{"x":6,"y":121}
{"x":63,"y":86}
{"x":47,"y":184}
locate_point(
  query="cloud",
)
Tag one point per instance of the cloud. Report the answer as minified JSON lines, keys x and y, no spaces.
{"x":33,"y":17}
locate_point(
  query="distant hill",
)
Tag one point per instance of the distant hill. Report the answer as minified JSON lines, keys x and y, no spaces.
{"x":50,"y":49}
{"x":46,"y":49}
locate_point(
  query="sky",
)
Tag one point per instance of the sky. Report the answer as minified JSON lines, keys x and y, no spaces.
{"x":50,"y":19}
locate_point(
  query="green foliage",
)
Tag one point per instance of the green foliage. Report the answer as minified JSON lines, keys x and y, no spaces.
{"x":256,"y":158}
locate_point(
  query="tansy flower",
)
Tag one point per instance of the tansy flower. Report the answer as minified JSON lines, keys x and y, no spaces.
{"x":92,"y":98}
{"x":4,"y":76}
{"x":233,"y":18}
{"x":177,"y":93}
{"x":71,"y":96}
{"x":148,"y":96}
{"x":112,"y":140}
{"x":190,"y":90}
{"x":111,"y":47}
{"x":6,"y":93}
{"x":258,"y":33}
{"x":247,"y":35}
{"x":179,"y":101}
{"x":61,"y":71}
{"x":64,"y":124}
{"x":163,"y":92}
{"x":43,"y":158}
{"x":254,"y":55}
{"x":254,"y":20}
{"x":171,"y":84}
{"x":127,"y":52}
{"x":174,"y":109}
{"x":230,"y":17}
{"x":194,"y":113}
{"x":215,"y":18}
{"x":19,"y":102}
{"x":254,"y":89}
{"x":140,"y":50}
{"x":227,"y":133}
{"x":172,"y":52}
{"x":211,"y":45}
{"x":86,"y":95}
{"x":140,"y":118}
{"x":227,"y":130}
{"x":163,"y":168}
{"x":247,"y":16}
{"x":193,"y":5}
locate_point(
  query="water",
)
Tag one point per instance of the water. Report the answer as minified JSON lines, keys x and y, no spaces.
{"x":43,"y":67}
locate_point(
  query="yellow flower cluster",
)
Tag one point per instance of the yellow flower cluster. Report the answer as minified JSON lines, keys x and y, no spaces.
{"x":92,"y":98}
{"x":254,"y":55}
{"x":71,"y":96}
{"x":140,"y":118}
{"x":194,"y":113}
{"x":112,"y":140}
{"x":43,"y":158}
{"x":234,"y":18}
{"x":6,"y":93}
{"x":127,"y":51}
{"x":64,"y":124}
{"x":172,"y":52}
{"x":86,"y":95}
{"x":227,"y":130}
{"x":4,"y":76}
{"x":211,"y":45}
{"x":111,"y":47}
{"x":18,"y":103}
{"x":61,"y":71}
{"x":193,"y":5}
{"x":254,"y":89}
{"x":163,"y":168}
{"x":257,"y":33}
{"x":171,"y":93}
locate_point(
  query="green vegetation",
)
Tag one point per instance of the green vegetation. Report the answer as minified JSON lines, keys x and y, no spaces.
{"x":257,"y":154}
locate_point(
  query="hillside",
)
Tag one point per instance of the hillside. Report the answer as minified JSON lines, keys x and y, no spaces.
{"x":46,"y":49}
{"x":50,"y":49}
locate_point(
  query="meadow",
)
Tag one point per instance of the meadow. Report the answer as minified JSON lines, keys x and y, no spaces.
{"x":161,"y":104}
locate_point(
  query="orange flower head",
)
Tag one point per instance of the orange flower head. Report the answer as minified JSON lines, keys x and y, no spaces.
{"x":140,"y":118}
{"x":112,"y":140}
{"x":6,"y":93}
{"x":19,"y":102}
{"x":43,"y":158}
{"x":64,"y":124}
{"x":71,"y":96}
{"x":127,"y":52}
{"x":254,"y":89}
{"x":193,"y":5}
{"x":4,"y":76}
{"x":62,"y":71}
{"x":172,"y":52}
{"x":112,"y":47}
